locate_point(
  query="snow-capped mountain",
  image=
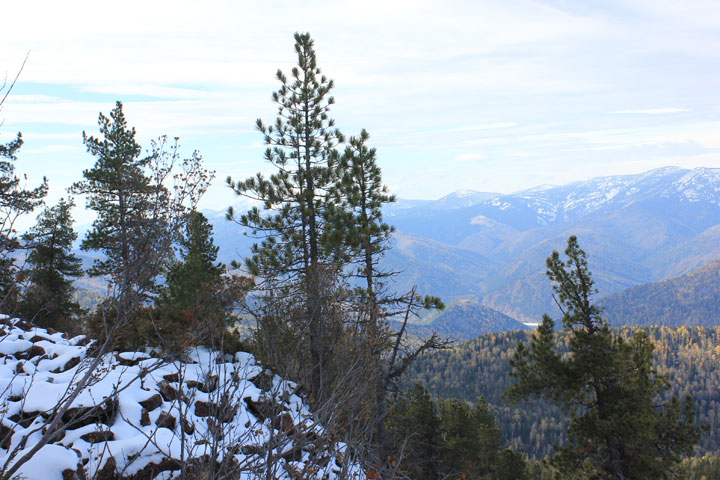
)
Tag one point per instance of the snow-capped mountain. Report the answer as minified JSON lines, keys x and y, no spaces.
{"x":491,"y":247}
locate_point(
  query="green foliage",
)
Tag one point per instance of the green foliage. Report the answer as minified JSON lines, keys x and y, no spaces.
{"x":48,"y":299}
{"x":688,"y":356}
{"x":301,"y":149}
{"x":295,"y":228}
{"x":195,"y":305}
{"x":365,"y":236}
{"x":705,"y":468}
{"x":414,"y":427}
{"x":119,"y":191}
{"x":607,"y":385}
{"x":449,"y":439}
{"x":185,"y":278}
{"x":15,"y":200}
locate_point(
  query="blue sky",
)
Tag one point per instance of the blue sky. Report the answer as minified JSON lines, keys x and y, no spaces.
{"x":483,"y":95}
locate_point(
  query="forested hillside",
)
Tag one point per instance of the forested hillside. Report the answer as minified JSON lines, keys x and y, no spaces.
{"x":690,"y":299}
{"x":479,"y":368}
{"x":463,"y":320}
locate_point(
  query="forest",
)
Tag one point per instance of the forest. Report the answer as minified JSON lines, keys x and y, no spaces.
{"x":619,"y":403}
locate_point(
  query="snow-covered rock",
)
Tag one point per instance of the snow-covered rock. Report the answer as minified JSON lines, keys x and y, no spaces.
{"x":143,"y":417}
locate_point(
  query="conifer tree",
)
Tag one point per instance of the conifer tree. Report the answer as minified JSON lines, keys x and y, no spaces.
{"x":197,"y":269}
{"x":296,"y":199}
{"x":48,"y":299}
{"x":118,"y":191}
{"x":196,"y":302}
{"x":15,"y":200}
{"x":365,"y":235}
{"x":142,"y":205}
{"x":608,"y":385}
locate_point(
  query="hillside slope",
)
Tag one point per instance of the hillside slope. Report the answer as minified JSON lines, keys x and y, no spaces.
{"x":690,"y":299}
{"x":143,"y":417}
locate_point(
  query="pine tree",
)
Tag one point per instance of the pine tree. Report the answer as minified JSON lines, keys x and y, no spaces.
{"x":48,"y":299}
{"x":118,"y":191}
{"x":195,"y":304}
{"x":15,"y":200}
{"x":365,"y":235}
{"x":415,"y":429}
{"x":607,"y":384}
{"x":189,"y":277}
{"x":296,"y":198}
{"x":470,"y":438}
{"x":138,"y":217}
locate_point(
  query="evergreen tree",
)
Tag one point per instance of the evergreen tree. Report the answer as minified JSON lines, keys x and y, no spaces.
{"x":186,"y":279}
{"x":15,"y":200}
{"x":195,"y":304}
{"x":119,"y":192}
{"x":607,"y":384}
{"x":48,"y":299}
{"x":365,"y":236}
{"x":471,"y":439}
{"x":414,"y":426}
{"x":138,"y":218}
{"x":296,"y":199}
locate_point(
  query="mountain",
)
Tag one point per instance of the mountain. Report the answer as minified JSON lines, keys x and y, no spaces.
{"x":636,"y":229}
{"x":491,"y":248}
{"x":463,"y":320}
{"x":691,"y":299}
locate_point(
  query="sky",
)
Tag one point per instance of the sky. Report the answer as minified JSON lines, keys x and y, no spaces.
{"x":492,"y":96}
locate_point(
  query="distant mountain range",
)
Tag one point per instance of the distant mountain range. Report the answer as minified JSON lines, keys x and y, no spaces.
{"x":491,"y":248}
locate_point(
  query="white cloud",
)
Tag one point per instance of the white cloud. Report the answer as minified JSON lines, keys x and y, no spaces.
{"x":469,"y":157}
{"x":650,"y":111}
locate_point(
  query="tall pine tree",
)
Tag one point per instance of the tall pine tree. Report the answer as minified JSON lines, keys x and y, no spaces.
{"x":295,"y":199}
{"x":48,"y":299}
{"x":119,"y":192}
{"x":619,"y":430}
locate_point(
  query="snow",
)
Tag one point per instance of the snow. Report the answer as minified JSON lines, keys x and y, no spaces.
{"x":133,"y":439}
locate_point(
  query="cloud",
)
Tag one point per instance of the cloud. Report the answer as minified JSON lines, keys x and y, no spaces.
{"x":650,"y":111}
{"x":469,"y":157}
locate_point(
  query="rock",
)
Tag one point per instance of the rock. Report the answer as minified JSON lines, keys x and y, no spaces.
{"x":24,"y":326}
{"x":168,"y":392}
{"x":263,"y":381}
{"x":207,"y":409}
{"x":6,"y":434}
{"x":108,"y":471}
{"x":187,"y":426}
{"x":262,"y":409}
{"x":25,"y":419}
{"x":34,"y":351}
{"x":78,"y":474}
{"x":81,"y":416}
{"x":145,"y":418}
{"x":152,"y":470}
{"x":165,"y":420}
{"x":172,"y":377}
{"x":284,"y":423}
{"x":152,"y":403}
{"x":195,"y":384}
{"x":99,"y":436}
{"x":209,"y":385}
{"x":73,"y":362}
